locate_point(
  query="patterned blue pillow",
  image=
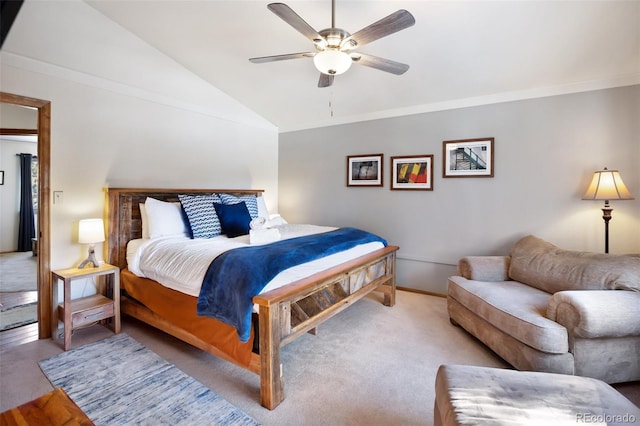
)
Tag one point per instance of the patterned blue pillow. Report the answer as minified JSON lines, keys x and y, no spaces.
{"x":202,"y":215}
{"x":249,"y":200}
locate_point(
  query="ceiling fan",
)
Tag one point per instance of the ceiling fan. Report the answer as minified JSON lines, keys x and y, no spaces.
{"x":334,"y":46}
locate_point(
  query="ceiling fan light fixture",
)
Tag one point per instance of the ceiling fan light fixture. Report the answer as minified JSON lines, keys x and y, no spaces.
{"x":333,"y":44}
{"x":332,"y":61}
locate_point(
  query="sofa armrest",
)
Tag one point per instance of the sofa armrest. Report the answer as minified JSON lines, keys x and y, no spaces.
{"x":484,"y":268}
{"x":596,"y":313}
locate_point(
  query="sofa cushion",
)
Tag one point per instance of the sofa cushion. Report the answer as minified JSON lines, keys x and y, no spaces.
{"x":514,"y":308}
{"x":484,"y":268}
{"x":541,"y":264}
{"x":596,"y":314}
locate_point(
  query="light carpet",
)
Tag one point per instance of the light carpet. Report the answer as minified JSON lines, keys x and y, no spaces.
{"x":18,"y":272}
{"x":369,"y":365}
{"x":118,"y":381}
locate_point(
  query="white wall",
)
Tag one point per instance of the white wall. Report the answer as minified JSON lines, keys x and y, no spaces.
{"x":124,"y":115}
{"x":18,"y":117}
{"x":546,"y":151}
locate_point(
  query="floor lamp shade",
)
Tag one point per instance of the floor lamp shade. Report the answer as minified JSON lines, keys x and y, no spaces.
{"x":90,"y":231}
{"x":607,"y":185}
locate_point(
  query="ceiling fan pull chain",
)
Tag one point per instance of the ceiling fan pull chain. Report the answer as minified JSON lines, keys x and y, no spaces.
{"x":333,"y":13}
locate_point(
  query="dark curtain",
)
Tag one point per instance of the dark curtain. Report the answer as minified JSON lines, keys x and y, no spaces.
{"x":27,"y":227}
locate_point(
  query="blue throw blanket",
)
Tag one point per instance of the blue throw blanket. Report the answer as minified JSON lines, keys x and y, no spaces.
{"x":234,"y":277}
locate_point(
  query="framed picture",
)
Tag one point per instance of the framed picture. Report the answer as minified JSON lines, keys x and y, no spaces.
{"x":412,"y":172}
{"x":364,"y":170}
{"x":467,"y":158}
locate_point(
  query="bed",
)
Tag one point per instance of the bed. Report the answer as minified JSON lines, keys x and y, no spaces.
{"x":283,"y":314}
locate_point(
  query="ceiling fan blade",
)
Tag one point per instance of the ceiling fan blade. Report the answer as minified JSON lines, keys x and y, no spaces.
{"x":263,"y":59}
{"x":325,"y":80}
{"x":292,"y":18}
{"x":399,"y":20}
{"x":381,"y":64}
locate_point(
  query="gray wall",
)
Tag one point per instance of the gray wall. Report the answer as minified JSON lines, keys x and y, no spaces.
{"x":546,"y":151}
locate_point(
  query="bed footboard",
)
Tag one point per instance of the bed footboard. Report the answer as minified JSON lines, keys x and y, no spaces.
{"x":288,"y":312}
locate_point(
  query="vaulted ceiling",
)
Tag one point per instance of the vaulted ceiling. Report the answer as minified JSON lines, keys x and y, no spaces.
{"x":460,"y":53}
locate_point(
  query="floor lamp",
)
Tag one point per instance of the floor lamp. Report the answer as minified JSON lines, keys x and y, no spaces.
{"x":607,"y":185}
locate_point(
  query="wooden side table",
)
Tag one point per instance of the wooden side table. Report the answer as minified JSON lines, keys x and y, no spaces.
{"x":86,"y":310}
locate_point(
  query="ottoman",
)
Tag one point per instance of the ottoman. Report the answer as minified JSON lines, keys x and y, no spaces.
{"x":469,"y":395}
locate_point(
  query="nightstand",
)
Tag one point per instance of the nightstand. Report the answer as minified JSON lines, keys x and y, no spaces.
{"x":87,"y":310}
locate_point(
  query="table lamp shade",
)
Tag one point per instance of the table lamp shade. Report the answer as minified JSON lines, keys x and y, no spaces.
{"x":90,"y":231}
{"x":607,"y":185}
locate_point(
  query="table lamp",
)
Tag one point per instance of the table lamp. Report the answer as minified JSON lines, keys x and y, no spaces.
{"x":90,"y":231}
{"x":607,"y":185}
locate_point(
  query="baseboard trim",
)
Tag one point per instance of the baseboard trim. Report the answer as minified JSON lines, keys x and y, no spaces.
{"x":415,"y":290}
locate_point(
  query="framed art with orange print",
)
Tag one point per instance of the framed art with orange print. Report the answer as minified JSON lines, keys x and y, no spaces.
{"x":412,"y":172}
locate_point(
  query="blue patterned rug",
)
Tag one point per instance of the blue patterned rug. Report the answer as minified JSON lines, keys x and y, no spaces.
{"x":117,"y":381}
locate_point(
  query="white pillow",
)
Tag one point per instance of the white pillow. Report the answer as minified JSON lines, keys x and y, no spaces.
{"x":164,"y":219}
{"x":145,"y":221}
{"x":262,"y":208}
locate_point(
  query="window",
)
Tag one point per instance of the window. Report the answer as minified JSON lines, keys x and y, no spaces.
{"x":34,"y":184}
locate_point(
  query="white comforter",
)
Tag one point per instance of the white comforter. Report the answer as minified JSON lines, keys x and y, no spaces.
{"x":180,"y":263}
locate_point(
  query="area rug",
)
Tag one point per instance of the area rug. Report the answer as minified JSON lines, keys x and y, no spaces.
{"x":17,"y":316}
{"x":118,"y":381}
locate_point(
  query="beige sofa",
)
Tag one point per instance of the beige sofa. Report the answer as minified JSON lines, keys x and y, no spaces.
{"x":552,"y":310}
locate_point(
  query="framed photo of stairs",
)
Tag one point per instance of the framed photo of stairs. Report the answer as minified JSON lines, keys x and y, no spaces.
{"x":467,"y":158}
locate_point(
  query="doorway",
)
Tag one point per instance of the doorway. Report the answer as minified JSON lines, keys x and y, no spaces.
{"x":43,"y":241}
{"x":18,"y":215}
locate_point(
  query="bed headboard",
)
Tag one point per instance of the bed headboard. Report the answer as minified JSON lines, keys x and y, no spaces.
{"x":123,"y":214}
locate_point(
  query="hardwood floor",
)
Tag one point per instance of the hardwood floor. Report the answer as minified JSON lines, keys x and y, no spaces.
{"x":17,"y":298}
{"x":19,"y":335}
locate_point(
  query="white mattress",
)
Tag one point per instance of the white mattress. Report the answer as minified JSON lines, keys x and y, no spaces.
{"x":180,"y":263}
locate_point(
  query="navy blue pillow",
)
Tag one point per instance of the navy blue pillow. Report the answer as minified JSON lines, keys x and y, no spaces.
{"x":234,"y":218}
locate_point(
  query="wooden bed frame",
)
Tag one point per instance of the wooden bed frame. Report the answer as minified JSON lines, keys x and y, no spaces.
{"x":284,"y":313}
